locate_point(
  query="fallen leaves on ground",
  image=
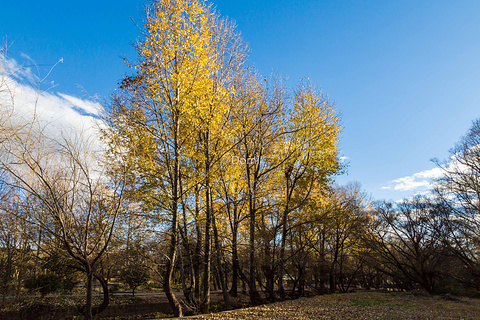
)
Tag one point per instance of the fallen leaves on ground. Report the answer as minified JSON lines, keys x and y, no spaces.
{"x":361,"y":305}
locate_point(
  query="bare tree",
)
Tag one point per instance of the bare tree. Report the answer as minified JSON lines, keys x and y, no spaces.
{"x":69,"y":196}
{"x":408,"y":243}
{"x":459,"y":190}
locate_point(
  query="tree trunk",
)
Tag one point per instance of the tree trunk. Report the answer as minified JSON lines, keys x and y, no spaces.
{"x":170,"y":265}
{"x":167,"y":280}
{"x":281,"y":262}
{"x":182,"y":273}
{"x":187,"y":290}
{"x":332,"y":280}
{"x":88,"y":302}
{"x":169,"y":268}
{"x":254,"y":295}
{"x":301,"y":280}
{"x":207,"y":246}
{"x":235,"y":263}
{"x":198,"y":246}
{"x":221,"y":275}
{"x":106,"y":296}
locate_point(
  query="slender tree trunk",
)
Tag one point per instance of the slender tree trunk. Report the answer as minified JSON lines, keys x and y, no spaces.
{"x":332,"y":277}
{"x":88,"y":303}
{"x":216,"y":278}
{"x":289,"y":187}
{"x":38,"y":249}
{"x":169,"y":269}
{"x":206,"y":262}
{"x":198,"y":246}
{"x":187,"y":291}
{"x":221,"y":275}
{"x":182,"y":273}
{"x":254,"y":295}
{"x":170,"y":265}
{"x":235,"y":263}
{"x":301,"y":280}
{"x":281,"y":262}
{"x":208,"y":226}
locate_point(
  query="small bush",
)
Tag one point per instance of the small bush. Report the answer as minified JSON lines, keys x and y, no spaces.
{"x":44,"y":283}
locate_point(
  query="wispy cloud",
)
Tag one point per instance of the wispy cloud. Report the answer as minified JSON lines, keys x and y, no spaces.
{"x":85,"y":107}
{"x":11,"y":69}
{"x":62,"y":112}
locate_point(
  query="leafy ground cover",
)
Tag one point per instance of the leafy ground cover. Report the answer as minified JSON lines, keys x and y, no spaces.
{"x":361,"y":305}
{"x":358,"y":305}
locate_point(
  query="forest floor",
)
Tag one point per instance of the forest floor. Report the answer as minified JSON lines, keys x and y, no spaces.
{"x":361,"y":305}
{"x":357,"y":305}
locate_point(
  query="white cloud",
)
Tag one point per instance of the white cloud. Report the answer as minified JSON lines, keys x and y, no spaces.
{"x":344,"y":159}
{"x":408,"y":184}
{"x":420,"y":181}
{"x":61,"y":113}
{"x":88,"y":107}
{"x":434,"y":173}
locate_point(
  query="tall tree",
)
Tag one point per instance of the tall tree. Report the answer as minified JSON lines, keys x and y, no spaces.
{"x":258,"y":129}
{"x":310,"y":153}
{"x":214,"y":131}
{"x":172,"y":94}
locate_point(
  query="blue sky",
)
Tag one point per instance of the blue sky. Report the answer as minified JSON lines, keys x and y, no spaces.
{"x":404,"y":74}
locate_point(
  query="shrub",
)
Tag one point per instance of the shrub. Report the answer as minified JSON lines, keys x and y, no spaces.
{"x":44,"y":283}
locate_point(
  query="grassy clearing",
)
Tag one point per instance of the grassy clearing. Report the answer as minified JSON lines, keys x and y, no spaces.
{"x":361,"y":305}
